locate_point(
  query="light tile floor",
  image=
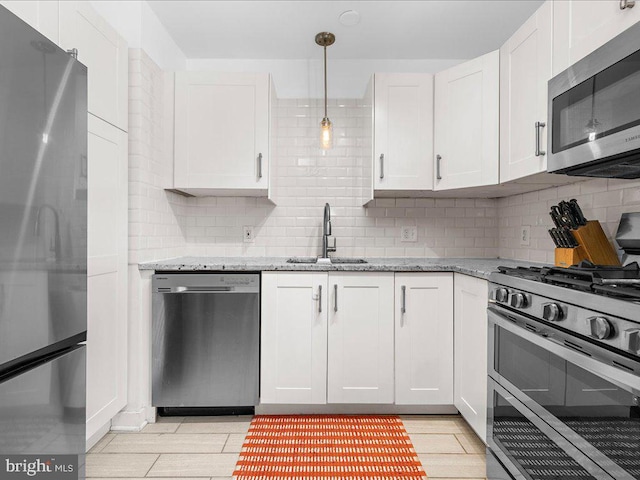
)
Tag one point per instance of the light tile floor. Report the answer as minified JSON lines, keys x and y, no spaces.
{"x":207,"y":448}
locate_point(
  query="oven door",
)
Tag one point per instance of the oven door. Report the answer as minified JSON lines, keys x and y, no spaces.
{"x":587,"y":396}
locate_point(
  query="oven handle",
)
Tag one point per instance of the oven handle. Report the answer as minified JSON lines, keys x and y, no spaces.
{"x":545,"y":428}
{"x":619,"y":377}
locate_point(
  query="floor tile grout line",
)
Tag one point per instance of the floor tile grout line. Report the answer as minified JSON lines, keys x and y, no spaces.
{"x":151,"y":467}
{"x":225,"y":442}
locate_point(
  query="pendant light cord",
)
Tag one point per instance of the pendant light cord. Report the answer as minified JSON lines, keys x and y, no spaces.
{"x":325,"y":82}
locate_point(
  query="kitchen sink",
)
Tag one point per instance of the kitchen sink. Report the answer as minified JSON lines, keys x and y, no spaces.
{"x":348,"y":260}
{"x":336,"y":260}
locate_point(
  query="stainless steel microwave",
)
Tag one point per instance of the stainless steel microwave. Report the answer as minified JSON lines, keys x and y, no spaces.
{"x":594,"y":112}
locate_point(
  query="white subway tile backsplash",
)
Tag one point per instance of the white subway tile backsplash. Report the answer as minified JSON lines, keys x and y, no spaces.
{"x":601,"y":199}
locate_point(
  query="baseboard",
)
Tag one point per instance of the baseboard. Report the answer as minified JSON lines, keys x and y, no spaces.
{"x":133,"y":421}
{"x":97,"y":436}
{"x":355,"y":409}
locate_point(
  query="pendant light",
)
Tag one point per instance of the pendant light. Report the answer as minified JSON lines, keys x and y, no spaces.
{"x":325,"y":39}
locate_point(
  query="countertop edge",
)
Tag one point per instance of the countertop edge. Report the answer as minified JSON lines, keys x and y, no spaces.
{"x":476,"y":267}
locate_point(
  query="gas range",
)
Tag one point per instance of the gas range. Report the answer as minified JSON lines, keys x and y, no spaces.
{"x":601,"y":304}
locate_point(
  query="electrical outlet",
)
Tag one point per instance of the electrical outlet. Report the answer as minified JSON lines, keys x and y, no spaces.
{"x":247,"y":234}
{"x":409,"y":234}
{"x":525,"y":235}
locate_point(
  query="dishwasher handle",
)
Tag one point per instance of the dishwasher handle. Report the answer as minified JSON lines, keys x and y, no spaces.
{"x":183,"y":289}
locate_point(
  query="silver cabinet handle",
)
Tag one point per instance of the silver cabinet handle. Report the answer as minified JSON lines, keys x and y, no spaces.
{"x":319,"y":298}
{"x":335,"y":297}
{"x":539,"y":126}
{"x":438,"y":160}
{"x":259,"y":165}
{"x":627,"y":4}
{"x":381,"y":166}
{"x":403,"y":307}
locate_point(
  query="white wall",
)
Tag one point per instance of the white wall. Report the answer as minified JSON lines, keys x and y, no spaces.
{"x":304,"y":78}
{"x":141,"y":28}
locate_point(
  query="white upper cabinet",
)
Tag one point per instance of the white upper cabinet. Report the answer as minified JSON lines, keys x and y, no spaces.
{"x":471,"y":330}
{"x":104,"y":53}
{"x":424,"y":338}
{"x":293,"y":345}
{"x":581,"y":26}
{"x":360,"y":350}
{"x":403,"y":131}
{"x":467,"y":124}
{"x":222,"y":133}
{"x":40,"y":14}
{"x":525,"y":69}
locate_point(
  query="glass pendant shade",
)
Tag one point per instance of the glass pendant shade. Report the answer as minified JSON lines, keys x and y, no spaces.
{"x":326,"y":134}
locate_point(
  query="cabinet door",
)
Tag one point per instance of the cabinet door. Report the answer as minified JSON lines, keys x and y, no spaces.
{"x":107,"y":273}
{"x":424,"y":338}
{"x":525,"y":69}
{"x":222,"y":133}
{"x":360,"y":367}
{"x":467,"y":124}
{"x":104,"y":53}
{"x":470,"y":327}
{"x":403,"y":123}
{"x":40,"y":14}
{"x":293,"y":367}
{"x":581,"y":26}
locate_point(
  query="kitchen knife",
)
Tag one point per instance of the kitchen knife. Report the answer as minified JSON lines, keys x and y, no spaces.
{"x":561,"y":241}
{"x":553,"y":237}
{"x":571,"y":239}
{"x":567,"y":214}
{"x":556,"y":215}
{"x":578,"y":212}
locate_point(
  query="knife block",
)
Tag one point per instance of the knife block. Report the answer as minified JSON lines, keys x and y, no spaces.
{"x":565,"y":257}
{"x":593,"y":246}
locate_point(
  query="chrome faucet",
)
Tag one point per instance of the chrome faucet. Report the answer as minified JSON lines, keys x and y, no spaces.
{"x":54,"y":247}
{"x":326,"y":232}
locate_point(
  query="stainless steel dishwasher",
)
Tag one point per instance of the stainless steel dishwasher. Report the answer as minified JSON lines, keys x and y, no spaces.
{"x":205,"y":334}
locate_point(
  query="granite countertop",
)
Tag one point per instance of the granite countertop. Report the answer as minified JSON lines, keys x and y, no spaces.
{"x":477,"y":267}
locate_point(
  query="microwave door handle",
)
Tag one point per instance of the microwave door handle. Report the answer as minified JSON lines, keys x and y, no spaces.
{"x":616,"y":376}
{"x":539,"y":126}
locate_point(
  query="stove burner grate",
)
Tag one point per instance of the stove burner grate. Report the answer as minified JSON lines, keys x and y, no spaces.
{"x":619,"y":282}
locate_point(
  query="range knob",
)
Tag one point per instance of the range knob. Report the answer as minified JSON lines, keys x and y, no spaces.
{"x":552,"y":312}
{"x":502,"y":295}
{"x":632,"y":340}
{"x":601,"y":328}
{"x":518,"y":300}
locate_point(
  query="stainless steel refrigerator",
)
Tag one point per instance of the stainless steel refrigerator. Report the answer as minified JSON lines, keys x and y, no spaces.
{"x":43,"y":247}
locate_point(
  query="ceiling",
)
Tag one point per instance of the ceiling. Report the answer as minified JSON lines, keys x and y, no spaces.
{"x":265,"y":29}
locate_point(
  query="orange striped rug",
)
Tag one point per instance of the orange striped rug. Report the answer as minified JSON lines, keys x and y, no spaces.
{"x":328,"y":447}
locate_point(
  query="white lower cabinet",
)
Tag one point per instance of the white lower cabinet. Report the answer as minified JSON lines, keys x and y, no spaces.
{"x":326,"y":338}
{"x":424,"y":338}
{"x":294,"y":338}
{"x":470,"y":327}
{"x":360,"y":350}
{"x":373,"y":338}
